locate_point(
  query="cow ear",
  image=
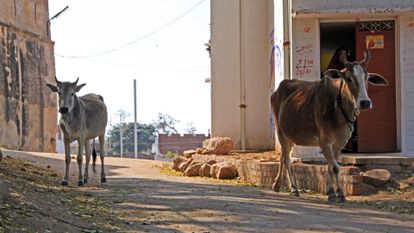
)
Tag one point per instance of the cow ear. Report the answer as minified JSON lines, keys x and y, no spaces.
{"x":333,"y":73}
{"x":377,"y":79}
{"x":52,"y":87}
{"x":78,"y":87}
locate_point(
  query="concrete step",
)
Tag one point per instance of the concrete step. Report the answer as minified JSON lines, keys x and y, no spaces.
{"x":377,"y":160}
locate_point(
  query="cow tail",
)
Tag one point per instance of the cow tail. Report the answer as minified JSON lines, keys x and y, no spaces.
{"x":93,"y":156}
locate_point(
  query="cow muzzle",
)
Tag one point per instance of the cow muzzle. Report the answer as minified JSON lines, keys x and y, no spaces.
{"x":63,"y":110}
{"x":365,"y":104}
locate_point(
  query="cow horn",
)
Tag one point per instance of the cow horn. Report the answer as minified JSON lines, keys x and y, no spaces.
{"x":367,"y":57}
{"x":57,"y":81}
{"x":342,"y":57}
{"x":76,"y":82}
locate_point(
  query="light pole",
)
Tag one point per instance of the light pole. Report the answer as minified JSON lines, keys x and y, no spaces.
{"x":120,"y":134}
{"x":135,"y":121}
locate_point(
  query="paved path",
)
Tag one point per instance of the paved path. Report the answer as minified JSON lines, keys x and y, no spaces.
{"x":150,"y":201}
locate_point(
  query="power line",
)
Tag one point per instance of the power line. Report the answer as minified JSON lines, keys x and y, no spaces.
{"x":146,"y":67}
{"x":136,"y":40}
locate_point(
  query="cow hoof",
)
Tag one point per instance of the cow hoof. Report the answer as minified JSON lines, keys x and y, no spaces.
{"x":103,"y":179}
{"x":80,"y":183}
{"x":332,"y":198}
{"x":275,"y":188}
{"x":64,"y":183}
{"x":295,"y":193}
{"x":85,"y":181}
{"x":340,"y":199}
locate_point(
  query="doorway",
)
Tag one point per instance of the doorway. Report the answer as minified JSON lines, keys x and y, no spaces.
{"x":376,"y":129}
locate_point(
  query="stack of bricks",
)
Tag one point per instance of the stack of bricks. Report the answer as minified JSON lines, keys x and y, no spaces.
{"x":352,"y":181}
{"x":308,"y":176}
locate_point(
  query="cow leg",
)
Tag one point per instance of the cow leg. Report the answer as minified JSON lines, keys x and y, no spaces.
{"x":333,"y":173}
{"x":340,"y":197}
{"x":330,"y":189}
{"x":81,"y":143}
{"x":292,"y":180}
{"x":327,"y":152}
{"x":285,"y":149}
{"x":276,"y":184}
{"x":67,"y":161}
{"x":88,"y":159}
{"x":102,"y":155}
{"x":285,"y":162}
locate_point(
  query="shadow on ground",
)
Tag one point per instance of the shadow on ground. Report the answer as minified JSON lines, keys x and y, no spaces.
{"x":145,"y":200}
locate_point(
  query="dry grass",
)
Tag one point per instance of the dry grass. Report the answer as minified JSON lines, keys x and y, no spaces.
{"x":36,"y":199}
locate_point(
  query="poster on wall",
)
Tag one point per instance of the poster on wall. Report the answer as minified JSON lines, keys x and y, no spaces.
{"x":374,"y":41}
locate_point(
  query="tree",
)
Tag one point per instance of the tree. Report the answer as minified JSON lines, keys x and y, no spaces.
{"x":191,"y":129}
{"x":165,"y":124}
{"x":146,"y":137}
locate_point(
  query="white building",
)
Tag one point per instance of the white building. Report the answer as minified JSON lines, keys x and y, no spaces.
{"x":257,"y":43}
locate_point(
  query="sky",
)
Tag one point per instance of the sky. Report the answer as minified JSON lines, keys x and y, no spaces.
{"x":160,"y":43}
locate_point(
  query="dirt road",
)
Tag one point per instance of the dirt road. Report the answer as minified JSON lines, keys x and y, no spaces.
{"x":138,"y":197}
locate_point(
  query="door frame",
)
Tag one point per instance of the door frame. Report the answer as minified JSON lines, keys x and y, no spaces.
{"x":329,"y":18}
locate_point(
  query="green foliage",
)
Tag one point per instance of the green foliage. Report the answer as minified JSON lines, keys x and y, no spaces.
{"x":146,"y":137}
{"x":171,"y":155}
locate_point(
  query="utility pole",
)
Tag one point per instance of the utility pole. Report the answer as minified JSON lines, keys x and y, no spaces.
{"x":135,"y":121}
{"x":109,"y":138}
{"x":120,"y":134}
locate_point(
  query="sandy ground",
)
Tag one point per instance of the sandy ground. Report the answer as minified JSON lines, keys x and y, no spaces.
{"x":140,"y":197}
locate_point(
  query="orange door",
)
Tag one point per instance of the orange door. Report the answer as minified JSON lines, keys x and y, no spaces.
{"x":377,"y":128}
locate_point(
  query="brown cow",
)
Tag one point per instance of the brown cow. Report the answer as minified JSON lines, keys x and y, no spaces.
{"x":322,"y":113}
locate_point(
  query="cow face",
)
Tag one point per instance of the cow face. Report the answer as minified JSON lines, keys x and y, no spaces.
{"x":67,"y":94}
{"x":357,"y":78}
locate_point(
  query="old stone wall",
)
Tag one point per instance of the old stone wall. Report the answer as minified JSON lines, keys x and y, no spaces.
{"x":180,"y":143}
{"x":28,"y":118}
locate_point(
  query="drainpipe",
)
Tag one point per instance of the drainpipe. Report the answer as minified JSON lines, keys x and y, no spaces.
{"x":287,"y":23}
{"x":20,"y":99}
{"x":242,"y":105}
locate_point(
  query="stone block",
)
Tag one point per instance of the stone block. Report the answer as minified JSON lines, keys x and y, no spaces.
{"x":393,"y":169}
{"x":211,"y":162}
{"x":376,"y":177}
{"x":359,"y":189}
{"x":223,"y":170}
{"x":199,"y":150}
{"x":350,"y":170}
{"x":218,"y":145}
{"x":350,"y":179}
{"x":205,"y":170}
{"x":193,"y":169}
{"x":177,"y":161}
{"x":188,"y":153}
{"x":184,"y":165}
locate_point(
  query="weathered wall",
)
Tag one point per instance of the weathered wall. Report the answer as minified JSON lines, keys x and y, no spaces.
{"x":354,"y":6}
{"x":305,"y":64}
{"x":407,"y":80}
{"x":225,"y":69}
{"x":241,"y":45}
{"x":27,"y":109}
{"x":180,"y":143}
